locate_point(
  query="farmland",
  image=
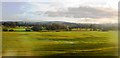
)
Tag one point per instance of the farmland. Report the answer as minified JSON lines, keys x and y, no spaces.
{"x":80,"y":43}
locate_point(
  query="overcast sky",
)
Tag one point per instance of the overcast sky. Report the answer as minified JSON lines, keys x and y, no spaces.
{"x":77,"y":11}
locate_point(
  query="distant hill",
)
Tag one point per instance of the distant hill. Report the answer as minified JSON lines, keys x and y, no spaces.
{"x":60,"y":22}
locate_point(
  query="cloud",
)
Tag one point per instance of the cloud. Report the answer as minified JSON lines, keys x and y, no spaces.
{"x":52,"y":11}
{"x":55,"y":9}
{"x":84,"y":12}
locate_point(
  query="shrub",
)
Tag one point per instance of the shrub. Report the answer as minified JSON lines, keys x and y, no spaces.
{"x":11,"y":30}
{"x":57,"y":30}
{"x":27,"y":29}
{"x":104,"y":30}
{"x":5,"y":29}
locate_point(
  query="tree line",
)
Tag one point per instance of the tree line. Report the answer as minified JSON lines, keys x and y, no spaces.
{"x":57,"y":26}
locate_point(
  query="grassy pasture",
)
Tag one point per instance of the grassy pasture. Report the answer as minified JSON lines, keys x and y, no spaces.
{"x":82,"y":43}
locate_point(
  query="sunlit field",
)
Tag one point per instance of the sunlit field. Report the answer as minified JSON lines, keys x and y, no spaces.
{"x":65,"y":43}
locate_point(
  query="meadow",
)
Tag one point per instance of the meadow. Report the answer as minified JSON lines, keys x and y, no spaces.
{"x":65,"y":43}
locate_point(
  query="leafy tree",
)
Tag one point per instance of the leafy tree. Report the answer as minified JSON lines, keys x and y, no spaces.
{"x":36,"y":28}
{"x":10,"y":24}
{"x":5,"y":29}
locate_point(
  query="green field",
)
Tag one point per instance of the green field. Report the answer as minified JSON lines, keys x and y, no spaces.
{"x":82,"y":43}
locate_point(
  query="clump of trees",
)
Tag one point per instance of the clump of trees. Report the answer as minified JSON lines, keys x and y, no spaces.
{"x":5,"y":29}
{"x":56,"y":27}
{"x":36,"y":28}
{"x":7,"y":26}
{"x":10,"y":24}
{"x":50,"y":27}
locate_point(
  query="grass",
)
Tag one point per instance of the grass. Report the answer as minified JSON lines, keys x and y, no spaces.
{"x":82,"y":43}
